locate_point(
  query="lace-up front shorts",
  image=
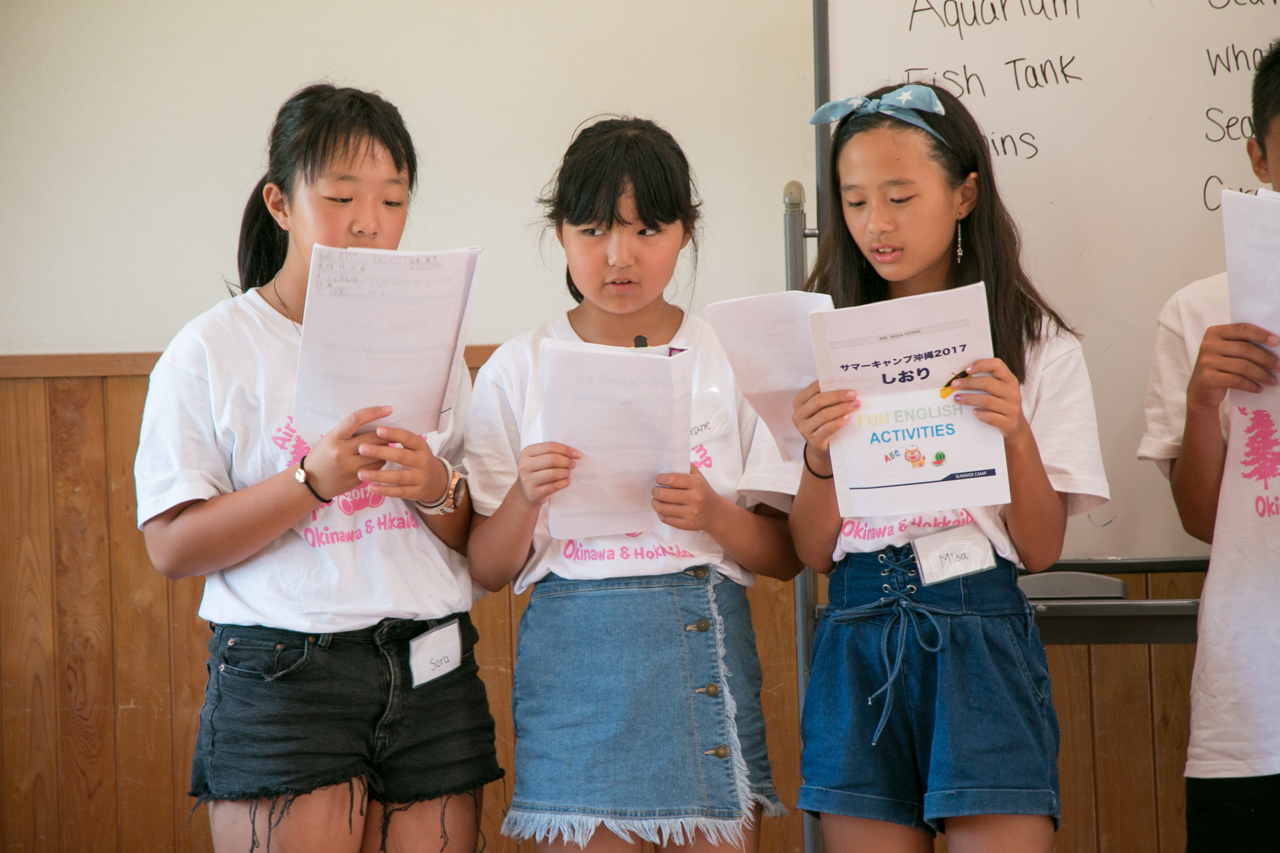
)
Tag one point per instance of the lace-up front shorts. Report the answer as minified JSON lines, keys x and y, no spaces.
{"x":927,"y":702}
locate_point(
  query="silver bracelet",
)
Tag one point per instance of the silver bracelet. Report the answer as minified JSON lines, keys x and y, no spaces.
{"x":445,"y":504}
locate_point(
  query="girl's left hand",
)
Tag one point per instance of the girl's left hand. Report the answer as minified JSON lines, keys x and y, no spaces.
{"x":1001,"y":404}
{"x":419,"y":477}
{"x":686,"y":501}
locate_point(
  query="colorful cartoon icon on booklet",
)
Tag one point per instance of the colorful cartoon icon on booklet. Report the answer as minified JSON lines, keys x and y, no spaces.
{"x":946,"y":390}
{"x":939,"y":458}
{"x":914,"y":456}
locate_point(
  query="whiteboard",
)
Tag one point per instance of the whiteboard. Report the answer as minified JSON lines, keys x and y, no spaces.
{"x":1114,"y":125}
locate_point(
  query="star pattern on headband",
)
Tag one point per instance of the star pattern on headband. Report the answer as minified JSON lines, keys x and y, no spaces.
{"x":911,"y":99}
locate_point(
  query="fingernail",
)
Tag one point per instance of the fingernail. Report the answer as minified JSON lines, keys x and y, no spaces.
{"x":856,"y":403}
{"x":849,"y":395}
{"x":845,"y":418}
{"x":386,"y":409}
{"x":1272,"y":340}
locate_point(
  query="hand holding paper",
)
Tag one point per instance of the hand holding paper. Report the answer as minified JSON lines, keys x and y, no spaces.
{"x":383,"y":328}
{"x":627,"y":413}
{"x":1251,"y":229}
{"x":686,"y":501}
{"x":545,"y":468}
{"x":907,"y":447}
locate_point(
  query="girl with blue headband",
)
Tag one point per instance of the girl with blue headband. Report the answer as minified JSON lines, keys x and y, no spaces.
{"x":928,"y":707}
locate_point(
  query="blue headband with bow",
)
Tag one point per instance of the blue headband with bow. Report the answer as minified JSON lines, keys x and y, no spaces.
{"x":904,"y":104}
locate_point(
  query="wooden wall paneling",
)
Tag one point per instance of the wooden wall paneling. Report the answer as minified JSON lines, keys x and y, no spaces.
{"x":1171,"y":711}
{"x":1069,"y":677}
{"x":140,"y":601}
{"x":28,"y":664}
{"x":492,"y":617}
{"x":189,"y":649}
{"x":773,"y":615}
{"x":88,"y":806}
{"x":1124,"y":763}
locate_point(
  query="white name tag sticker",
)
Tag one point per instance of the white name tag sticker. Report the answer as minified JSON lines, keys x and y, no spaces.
{"x":435,"y":653}
{"x":953,"y":553}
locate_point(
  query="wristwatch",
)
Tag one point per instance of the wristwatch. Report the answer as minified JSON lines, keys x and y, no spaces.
{"x":301,"y":476}
{"x":449,"y":500}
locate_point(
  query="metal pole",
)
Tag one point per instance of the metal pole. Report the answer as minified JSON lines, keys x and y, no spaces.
{"x":821,"y":94}
{"x":797,"y":267}
{"x":794,"y":234}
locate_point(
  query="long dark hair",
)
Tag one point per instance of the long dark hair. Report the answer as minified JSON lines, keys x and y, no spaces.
{"x":610,"y":157}
{"x":313,"y":127}
{"x":992,"y":247}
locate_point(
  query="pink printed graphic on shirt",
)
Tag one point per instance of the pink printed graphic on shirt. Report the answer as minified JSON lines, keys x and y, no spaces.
{"x":361,"y":497}
{"x":287,"y":438}
{"x":854,"y":528}
{"x":704,"y":458}
{"x":1262,"y":451}
{"x":580,"y":552}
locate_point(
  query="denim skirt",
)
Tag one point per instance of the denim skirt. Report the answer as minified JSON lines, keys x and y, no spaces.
{"x":637,"y":708}
{"x":927,"y":702}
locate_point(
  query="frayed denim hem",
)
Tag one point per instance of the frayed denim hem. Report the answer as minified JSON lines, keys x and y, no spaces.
{"x":740,"y":772}
{"x":280,"y":801}
{"x":770,"y":805}
{"x":578,"y":829}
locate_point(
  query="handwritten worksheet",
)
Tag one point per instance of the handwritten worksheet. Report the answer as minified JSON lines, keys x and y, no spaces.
{"x":628,"y":412}
{"x":909,"y":447}
{"x":1251,"y":231}
{"x":769,"y":344}
{"x":383,"y":328}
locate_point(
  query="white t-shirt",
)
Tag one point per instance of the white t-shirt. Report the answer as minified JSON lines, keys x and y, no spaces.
{"x":1235,"y":687}
{"x":730,"y":445}
{"x":1057,"y":401}
{"x":219,"y":417}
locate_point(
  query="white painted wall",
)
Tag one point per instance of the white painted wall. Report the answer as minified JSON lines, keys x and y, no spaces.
{"x":131,"y":134}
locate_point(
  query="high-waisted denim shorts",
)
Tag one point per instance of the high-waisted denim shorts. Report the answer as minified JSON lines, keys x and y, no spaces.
{"x":637,"y":707}
{"x":927,"y":702}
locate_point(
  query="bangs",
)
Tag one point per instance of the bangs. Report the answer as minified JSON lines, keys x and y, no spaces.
{"x":346,"y":127}
{"x":594,"y":178}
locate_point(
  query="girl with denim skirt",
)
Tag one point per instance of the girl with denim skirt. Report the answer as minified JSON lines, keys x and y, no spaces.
{"x":928,"y":707}
{"x":322,"y":561}
{"x":637,"y":685}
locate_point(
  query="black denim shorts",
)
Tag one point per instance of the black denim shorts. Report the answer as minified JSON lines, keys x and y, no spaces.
{"x":288,"y":713}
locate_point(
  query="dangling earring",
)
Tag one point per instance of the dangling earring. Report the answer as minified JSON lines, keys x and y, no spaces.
{"x":959,"y":247}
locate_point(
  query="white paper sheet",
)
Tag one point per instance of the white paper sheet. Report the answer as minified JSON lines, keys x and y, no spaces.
{"x":1251,"y":229}
{"x":384,"y":328}
{"x":769,"y":344}
{"x":908,"y":448}
{"x":628,"y":412}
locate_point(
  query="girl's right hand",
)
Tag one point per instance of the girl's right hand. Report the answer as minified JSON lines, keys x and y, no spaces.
{"x":333,"y":465}
{"x":817,"y":415}
{"x":544,"y":470}
{"x":1231,"y":356}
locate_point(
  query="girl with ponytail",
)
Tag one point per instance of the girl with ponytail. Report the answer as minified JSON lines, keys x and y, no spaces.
{"x":322,"y":562}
